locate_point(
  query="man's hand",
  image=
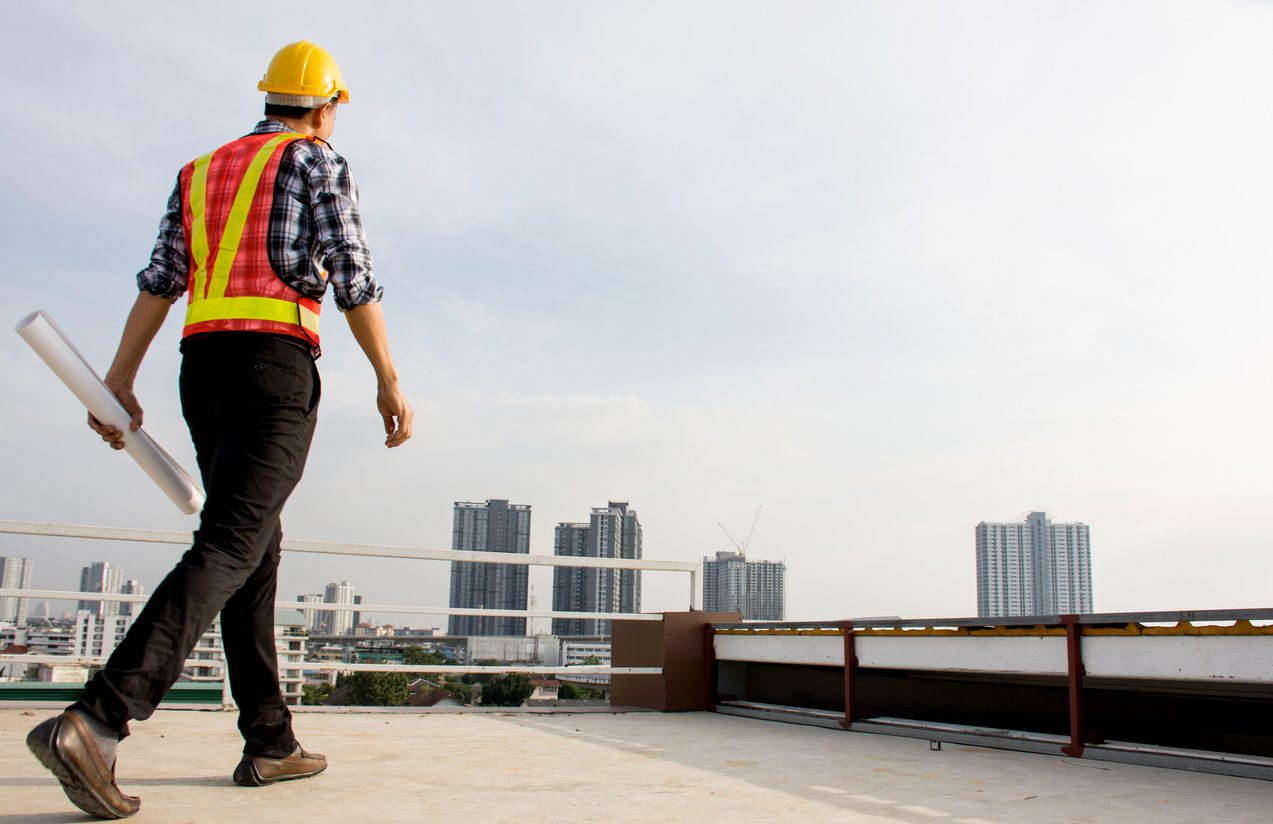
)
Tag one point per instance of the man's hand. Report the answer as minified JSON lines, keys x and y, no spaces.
{"x":392,"y":405}
{"x":126,"y":397}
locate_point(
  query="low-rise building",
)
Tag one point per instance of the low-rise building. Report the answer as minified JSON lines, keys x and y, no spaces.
{"x":51,"y":639}
{"x":578,"y":652}
{"x":97,"y":634}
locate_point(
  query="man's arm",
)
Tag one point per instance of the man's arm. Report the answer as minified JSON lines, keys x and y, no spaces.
{"x":367,"y":322}
{"x":143,"y":324}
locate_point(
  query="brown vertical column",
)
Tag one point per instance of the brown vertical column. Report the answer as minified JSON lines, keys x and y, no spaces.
{"x":1079,"y":736}
{"x":850,"y":675}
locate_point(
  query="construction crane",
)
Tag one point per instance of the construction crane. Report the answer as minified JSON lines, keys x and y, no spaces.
{"x":742,"y":548}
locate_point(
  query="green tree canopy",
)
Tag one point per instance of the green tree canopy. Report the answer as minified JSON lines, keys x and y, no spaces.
{"x":508,"y":690}
{"x":315,"y":694}
{"x":376,"y":689}
{"x":481,"y":677}
{"x":569,"y":691}
{"x":416,"y":655}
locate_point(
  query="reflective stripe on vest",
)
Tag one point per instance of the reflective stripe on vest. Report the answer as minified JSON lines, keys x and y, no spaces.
{"x":223,"y":296}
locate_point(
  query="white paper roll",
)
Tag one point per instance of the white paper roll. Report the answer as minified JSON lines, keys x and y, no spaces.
{"x":55,"y":348}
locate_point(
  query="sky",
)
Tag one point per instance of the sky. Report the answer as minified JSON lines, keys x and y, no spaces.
{"x":885,"y":270}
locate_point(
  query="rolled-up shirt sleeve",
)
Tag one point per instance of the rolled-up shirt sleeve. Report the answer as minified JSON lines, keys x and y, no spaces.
{"x":169,"y":267}
{"x":333,"y":200}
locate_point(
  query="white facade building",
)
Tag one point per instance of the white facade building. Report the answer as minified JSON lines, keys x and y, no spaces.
{"x":577,"y":653}
{"x":339,"y":623}
{"x":15,"y":573}
{"x":55,"y":640}
{"x":1033,"y":567}
{"x":314,"y":619}
{"x":290,"y":631}
{"x":99,"y":634}
{"x":104,"y":578}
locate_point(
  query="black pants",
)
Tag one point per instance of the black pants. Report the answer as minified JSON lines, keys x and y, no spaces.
{"x":251,"y":402}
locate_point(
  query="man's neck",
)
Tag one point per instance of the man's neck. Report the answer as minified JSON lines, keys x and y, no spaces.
{"x":298,"y":125}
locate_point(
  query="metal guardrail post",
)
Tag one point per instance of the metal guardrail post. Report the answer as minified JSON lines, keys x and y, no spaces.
{"x":1079,"y":736}
{"x":850,"y":675}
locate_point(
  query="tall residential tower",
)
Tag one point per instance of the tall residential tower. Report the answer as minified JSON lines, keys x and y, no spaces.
{"x":15,"y":573}
{"x":757,"y":589}
{"x":339,"y":623}
{"x":495,"y":526}
{"x":613,"y":531}
{"x":1033,"y":567}
{"x":105,"y":578}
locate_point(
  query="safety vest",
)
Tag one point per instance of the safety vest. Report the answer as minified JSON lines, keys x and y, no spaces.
{"x":226,"y":200}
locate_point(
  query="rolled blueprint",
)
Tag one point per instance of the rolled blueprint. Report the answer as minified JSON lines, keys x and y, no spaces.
{"x":54,"y":348}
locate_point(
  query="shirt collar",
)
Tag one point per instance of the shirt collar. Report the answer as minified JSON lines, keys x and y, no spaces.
{"x":271,"y":126}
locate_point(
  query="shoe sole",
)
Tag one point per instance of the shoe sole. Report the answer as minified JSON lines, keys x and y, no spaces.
{"x":73,"y":784}
{"x":255,"y":779}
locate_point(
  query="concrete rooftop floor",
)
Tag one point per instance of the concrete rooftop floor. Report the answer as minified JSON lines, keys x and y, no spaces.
{"x":639,"y":767}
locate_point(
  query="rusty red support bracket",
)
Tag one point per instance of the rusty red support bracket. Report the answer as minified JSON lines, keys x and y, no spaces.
{"x":851,"y":712}
{"x":1079,"y":736}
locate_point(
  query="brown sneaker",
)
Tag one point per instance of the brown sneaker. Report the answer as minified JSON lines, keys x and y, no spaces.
{"x":66,"y":746}
{"x":259,"y":770}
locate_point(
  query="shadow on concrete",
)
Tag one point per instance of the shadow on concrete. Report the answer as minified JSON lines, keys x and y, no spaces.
{"x":748,"y":759}
{"x":897,"y":779}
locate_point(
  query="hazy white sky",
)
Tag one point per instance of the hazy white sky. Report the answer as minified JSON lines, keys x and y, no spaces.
{"x":886,"y":269}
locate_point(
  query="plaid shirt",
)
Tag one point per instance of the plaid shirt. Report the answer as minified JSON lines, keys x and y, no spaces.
{"x":314,"y":225}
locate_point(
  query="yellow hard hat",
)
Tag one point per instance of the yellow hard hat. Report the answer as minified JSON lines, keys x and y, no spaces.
{"x":303,"y":74}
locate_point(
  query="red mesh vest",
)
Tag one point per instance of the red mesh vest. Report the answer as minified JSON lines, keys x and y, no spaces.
{"x":226,"y":200}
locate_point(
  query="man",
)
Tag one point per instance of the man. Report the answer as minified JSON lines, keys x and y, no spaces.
{"x":253,"y":235}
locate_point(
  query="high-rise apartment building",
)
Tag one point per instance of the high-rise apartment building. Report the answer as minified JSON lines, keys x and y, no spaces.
{"x":131,"y":587}
{"x":612,"y":531}
{"x":104,"y":578}
{"x":757,"y":589}
{"x":315,"y":620}
{"x":339,"y":623}
{"x":495,"y":526}
{"x":15,"y":573}
{"x":1033,"y":567}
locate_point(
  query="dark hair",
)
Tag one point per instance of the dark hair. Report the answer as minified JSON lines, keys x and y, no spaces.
{"x":290,"y":112}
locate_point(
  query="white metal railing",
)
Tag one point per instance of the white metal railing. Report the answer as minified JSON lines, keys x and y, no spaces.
{"x":695,"y":569}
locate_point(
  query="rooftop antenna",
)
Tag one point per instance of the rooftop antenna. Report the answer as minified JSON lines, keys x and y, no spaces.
{"x":742,"y":548}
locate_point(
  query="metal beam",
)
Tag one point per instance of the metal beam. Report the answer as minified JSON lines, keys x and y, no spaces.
{"x":1205,"y":615}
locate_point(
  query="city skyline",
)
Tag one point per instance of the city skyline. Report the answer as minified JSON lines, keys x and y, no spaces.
{"x":906,"y":264}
